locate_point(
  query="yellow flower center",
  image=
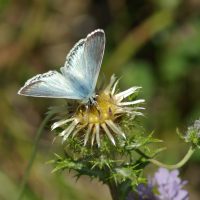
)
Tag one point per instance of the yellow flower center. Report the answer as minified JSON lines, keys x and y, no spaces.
{"x":103,"y":110}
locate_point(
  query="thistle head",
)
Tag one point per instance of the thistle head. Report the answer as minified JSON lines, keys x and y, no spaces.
{"x":94,"y":121}
{"x":193,"y":134}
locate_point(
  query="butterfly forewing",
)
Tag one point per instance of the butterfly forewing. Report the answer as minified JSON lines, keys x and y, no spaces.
{"x":94,"y":50}
{"x":74,"y":69}
{"x":75,"y":61}
{"x":84,"y":61}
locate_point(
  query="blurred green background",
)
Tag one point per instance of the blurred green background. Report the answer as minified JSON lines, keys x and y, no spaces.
{"x":150,"y":43}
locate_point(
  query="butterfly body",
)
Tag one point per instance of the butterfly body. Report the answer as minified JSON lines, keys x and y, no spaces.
{"x":77,"y":78}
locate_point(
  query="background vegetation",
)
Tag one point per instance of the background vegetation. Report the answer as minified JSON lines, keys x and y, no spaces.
{"x":150,"y":43}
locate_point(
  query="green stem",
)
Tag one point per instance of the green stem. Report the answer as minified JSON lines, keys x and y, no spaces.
{"x":179,"y":164}
{"x":33,"y":154}
{"x":175,"y":166}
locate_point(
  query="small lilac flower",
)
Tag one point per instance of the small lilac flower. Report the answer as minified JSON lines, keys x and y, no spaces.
{"x":169,"y":185}
{"x":144,"y":192}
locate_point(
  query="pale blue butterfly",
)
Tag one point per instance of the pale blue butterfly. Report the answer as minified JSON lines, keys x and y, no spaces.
{"x":78,"y":76}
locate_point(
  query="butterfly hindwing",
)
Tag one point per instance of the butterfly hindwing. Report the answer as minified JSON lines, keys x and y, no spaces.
{"x":51,"y":84}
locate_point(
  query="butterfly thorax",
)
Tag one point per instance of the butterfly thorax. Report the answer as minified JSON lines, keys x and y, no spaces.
{"x":92,"y":101}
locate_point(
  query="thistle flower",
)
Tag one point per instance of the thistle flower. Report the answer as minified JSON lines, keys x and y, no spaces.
{"x":100,"y":117}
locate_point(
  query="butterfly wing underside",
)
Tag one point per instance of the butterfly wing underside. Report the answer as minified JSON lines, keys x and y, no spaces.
{"x":78,"y":77}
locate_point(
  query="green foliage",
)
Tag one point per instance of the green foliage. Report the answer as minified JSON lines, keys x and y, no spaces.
{"x":121,"y":165}
{"x":138,"y":73}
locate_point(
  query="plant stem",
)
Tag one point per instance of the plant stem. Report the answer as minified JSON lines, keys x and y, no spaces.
{"x":175,"y":166}
{"x":33,"y":154}
{"x":113,"y":190}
